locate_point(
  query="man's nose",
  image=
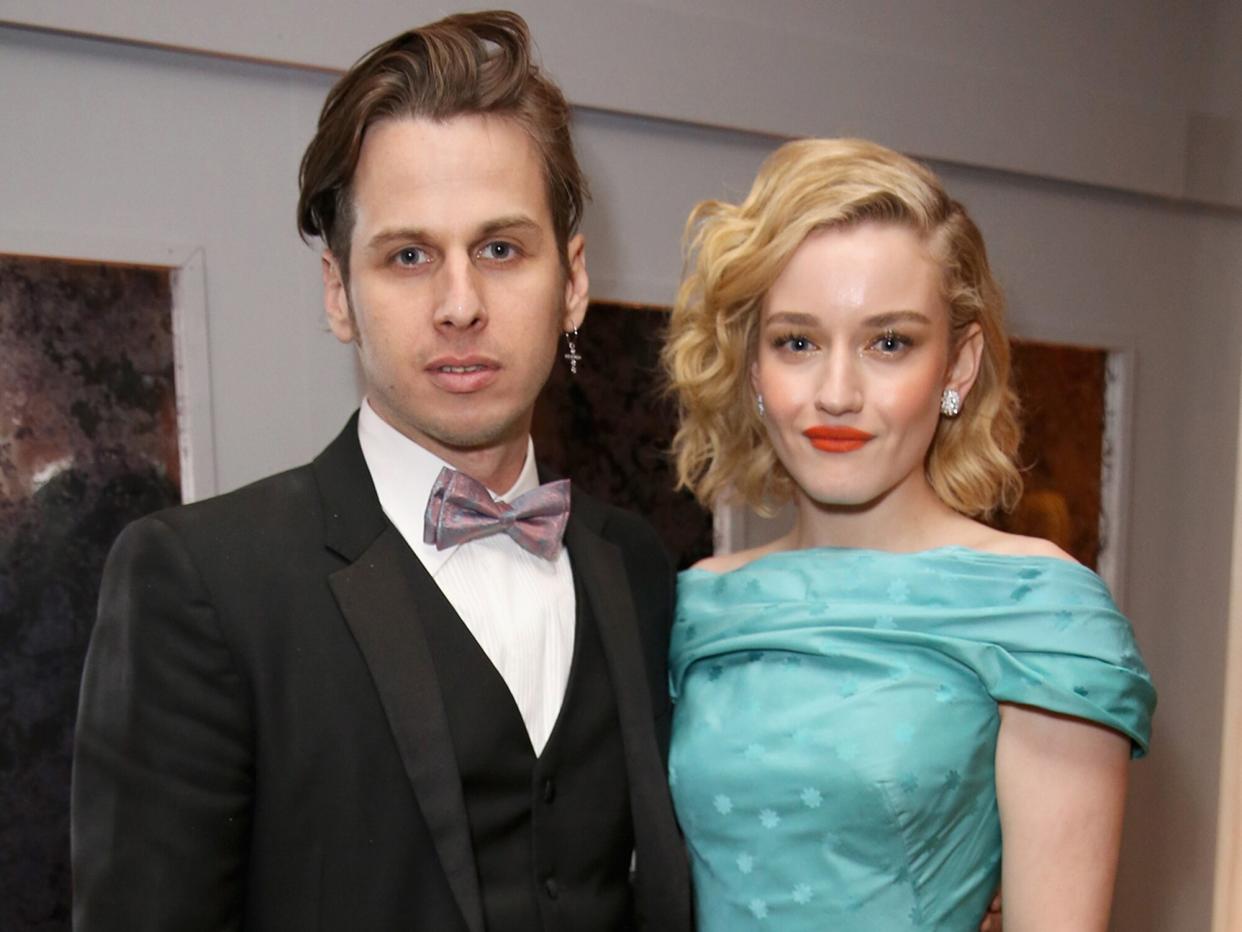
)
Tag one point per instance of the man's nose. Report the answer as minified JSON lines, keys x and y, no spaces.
{"x":459,"y":303}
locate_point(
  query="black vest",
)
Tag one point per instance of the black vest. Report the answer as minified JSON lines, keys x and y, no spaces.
{"x":552,"y":835}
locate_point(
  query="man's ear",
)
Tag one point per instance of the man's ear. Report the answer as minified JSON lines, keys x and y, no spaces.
{"x":964,"y":361}
{"x":336,"y":300}
{"x":577,"y":283}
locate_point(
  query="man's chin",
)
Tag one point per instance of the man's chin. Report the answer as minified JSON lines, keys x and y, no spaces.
{"x":478,"y":438}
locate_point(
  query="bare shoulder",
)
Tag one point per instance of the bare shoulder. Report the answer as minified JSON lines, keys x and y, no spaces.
{"x":991,"y":540}
{"x":728,"y":562}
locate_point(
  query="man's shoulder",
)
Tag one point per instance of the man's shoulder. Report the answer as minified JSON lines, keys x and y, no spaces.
{"x":289,"y":499}
{"x":276,"y":498}
{"x":266,"y":529}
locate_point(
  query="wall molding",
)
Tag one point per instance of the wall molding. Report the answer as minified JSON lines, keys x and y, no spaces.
{"x":734,"y":73}
{"x":1227,"y":901}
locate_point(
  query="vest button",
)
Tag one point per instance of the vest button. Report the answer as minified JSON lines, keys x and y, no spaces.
{"x":549,"y":790}
{"x":551,"y":889}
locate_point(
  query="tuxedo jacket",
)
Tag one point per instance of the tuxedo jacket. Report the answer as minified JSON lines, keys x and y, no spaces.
{"x":261,"y":741}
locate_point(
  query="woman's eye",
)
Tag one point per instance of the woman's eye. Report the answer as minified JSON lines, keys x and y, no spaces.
{"x":794,"y":343}
{"x":891,"y":343}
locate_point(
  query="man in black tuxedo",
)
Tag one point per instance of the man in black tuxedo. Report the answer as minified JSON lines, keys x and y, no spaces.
{"x":320,"y":703}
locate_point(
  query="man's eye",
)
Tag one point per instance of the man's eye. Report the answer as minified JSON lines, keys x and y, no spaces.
{"x":411,"y":255}
{"x":498,"y":251}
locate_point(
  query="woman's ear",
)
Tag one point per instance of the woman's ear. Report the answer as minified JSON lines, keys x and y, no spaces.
{"x":964,"y":361}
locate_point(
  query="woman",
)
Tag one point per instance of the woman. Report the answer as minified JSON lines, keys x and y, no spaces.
{"x":869,"y":705}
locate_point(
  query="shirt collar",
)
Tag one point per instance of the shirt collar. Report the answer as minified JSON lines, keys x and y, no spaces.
{"x":403,"y":473}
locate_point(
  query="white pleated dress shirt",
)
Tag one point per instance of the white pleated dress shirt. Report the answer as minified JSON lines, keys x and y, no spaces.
{"x":519,"y":607}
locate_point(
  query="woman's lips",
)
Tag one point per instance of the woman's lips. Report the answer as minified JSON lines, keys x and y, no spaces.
{"x":836,"y":439}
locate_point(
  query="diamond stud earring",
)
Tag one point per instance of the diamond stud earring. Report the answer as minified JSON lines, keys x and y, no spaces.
{"x":950,"y":403}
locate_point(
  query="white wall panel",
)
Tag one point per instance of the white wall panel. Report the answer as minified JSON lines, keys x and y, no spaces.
{"x":1094,"y":91}
{"x":108,"y":142}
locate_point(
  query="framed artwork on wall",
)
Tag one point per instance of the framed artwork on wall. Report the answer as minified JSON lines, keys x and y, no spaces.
{"x":104,"y":417}
{"x":186,"y":269}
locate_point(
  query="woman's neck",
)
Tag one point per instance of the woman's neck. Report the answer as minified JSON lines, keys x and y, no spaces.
{"x":907,"y":518}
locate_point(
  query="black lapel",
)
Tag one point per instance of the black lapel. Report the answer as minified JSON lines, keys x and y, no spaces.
{"x":599,"y":565}
{"x":382,"y":594}
{"x":352,"y":514}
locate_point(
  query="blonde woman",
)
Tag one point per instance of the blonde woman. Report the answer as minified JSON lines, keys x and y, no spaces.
{"x":889,"y":709}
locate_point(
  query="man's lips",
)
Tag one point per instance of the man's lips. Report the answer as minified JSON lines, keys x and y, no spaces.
{"x":836,"y":439}
{"x":462,"y":374}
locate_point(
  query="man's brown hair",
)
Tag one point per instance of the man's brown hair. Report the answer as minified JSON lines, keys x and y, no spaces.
{"x":471,"y":63}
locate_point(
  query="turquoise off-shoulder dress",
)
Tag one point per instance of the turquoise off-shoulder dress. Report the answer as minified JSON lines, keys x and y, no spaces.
{"x":834,"y":736}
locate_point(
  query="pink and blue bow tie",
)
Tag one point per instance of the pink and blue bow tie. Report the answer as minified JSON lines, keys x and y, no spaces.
{"x":460,"y":509}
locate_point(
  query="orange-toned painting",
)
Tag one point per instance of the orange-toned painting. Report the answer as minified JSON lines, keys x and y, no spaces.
{"x":1062,"y":390}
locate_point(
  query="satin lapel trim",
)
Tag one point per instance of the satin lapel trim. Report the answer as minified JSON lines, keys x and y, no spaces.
{"x":380,"y":598}
{"x":599,"y":565}
{"x":602,"y":572}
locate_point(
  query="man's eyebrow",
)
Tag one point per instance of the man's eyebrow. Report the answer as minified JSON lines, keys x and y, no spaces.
{"x":395,"y":234}
{"x":514,"y":222}
{"x":503,"y":224}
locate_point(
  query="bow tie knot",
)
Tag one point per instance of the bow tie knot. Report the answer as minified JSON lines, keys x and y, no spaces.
{"x":460,"y":509}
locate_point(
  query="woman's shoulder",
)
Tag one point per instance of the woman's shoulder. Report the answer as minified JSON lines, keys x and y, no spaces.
{"x":987,"y":539}
{"x":970,"y":535}
{"x":722,"y":563}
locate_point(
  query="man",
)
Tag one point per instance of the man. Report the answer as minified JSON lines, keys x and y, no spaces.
{"x":323,"y":701}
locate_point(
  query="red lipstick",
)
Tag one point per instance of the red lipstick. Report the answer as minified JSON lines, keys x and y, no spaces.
{"x":836,"y":439}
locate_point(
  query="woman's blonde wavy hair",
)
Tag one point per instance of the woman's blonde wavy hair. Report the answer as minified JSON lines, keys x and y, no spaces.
{"x":734,"y":253}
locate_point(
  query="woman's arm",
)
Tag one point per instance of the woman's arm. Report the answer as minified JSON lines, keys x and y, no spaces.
{"x":1061,"y":786}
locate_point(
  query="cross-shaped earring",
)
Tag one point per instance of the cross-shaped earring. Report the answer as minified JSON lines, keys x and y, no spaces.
{"x":571,"y":339}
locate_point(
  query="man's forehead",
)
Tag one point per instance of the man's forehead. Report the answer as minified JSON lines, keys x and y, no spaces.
{"x":430,"y":148}
{"x":469,"y":172}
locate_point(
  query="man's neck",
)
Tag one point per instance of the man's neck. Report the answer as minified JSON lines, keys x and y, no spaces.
{"x":497,"y":465}
{"x":497,"y":468}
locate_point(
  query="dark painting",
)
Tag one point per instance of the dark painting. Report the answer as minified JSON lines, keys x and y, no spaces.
{"x":610,"y":427}
{"x":1062,"y":393}
{"x":88,"y":442}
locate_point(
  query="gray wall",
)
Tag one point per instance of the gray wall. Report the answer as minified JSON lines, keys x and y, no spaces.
{"x":105,"y":141}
